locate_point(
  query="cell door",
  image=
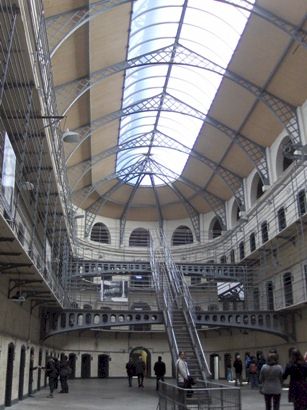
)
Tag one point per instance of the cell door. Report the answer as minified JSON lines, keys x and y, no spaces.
{"x":39,"y":371}
{"x":22,"y":365}
{"x":103,"y":366}
{"x":9,"y":375}
{"x":85,"y":366}
{"x":72,"y":365}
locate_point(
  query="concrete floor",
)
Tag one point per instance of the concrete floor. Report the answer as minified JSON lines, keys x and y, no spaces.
{"x":114,"y":394}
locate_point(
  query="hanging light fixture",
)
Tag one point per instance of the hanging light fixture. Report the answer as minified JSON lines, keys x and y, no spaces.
{"x":71,"y":137}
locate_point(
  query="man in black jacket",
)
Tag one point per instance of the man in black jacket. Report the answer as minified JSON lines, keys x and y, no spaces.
{"x":159,"y":369}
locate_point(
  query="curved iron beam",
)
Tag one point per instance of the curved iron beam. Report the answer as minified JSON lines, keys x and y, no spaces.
{"x":62,"y":26}
{"x":161,"y":140}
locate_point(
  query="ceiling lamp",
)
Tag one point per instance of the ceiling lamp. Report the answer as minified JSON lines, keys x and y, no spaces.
{"x":71,"y":137}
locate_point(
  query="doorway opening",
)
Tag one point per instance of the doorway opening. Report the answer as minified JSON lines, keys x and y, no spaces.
{"x":146,"y":356}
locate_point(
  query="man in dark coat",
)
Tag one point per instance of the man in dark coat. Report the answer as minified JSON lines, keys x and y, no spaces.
{"x":140,"y":370}
{"x":65,"y":371}
{"x":52,"y":374}
{"x":238,"y":366}
{"x":130,"y":368}
{"x":159,"y":369}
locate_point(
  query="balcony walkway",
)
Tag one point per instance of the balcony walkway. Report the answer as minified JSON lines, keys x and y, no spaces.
{"x":114,"y":394}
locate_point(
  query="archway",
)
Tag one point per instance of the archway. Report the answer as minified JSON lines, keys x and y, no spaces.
{"x":22,"y":365}
{"x":146,"y":355}
{"x":9,"y":375}
{"x":39,"y":370}
{"x":86,"y":366}
{"x":72,"y":364}
{"x":31,"y":369}
{"x":103,"y":366}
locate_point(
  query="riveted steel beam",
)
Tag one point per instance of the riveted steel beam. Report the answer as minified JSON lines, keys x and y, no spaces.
{"x":163,"y":173}
{"x":178,"y":54}
{"x":297,"y":33}
{"x":62,"y":26}
{"x":155,"y":140}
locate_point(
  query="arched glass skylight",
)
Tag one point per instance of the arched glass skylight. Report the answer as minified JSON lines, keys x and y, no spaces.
{"x":166,"y":93}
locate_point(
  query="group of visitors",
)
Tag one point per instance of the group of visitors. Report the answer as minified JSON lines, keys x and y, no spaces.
{"x":269,"y":375}
{"x":56,"y":369}
{"x":137,"y":368}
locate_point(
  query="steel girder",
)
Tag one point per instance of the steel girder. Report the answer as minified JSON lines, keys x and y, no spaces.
{"x":297,"y":33}
{"x":233,"y":181}
{"x":125,"y":175}
{"x":180,"y":55}
{"x":13,"y":11}
{"x":163,"y":173}
{"x":62,"y":26}
{"x":123,"y":217}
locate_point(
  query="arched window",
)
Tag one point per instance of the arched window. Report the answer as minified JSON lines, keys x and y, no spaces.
{"x":283,"y":159}
{"x":264,"y":232}
{"x":215,"y":229}
{"x":223,"y":259}
{"x":100,"y":233}
{"x":232,"y":256}
{"x":288,"y":291}
{"x":270,"y":296}
{"x":139,"y":237}
{"x":301,"y":202}
{"x":241,"y":250}
{"x":252,"y":242}
{"x":281,"y":215}
{"x":182,"y":236}
{"x":256,"y":299}
{"x":256,"y":188}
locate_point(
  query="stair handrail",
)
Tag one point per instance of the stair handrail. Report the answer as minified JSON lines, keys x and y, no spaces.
{"x":184,"y":299}
{"x":162,"y":287}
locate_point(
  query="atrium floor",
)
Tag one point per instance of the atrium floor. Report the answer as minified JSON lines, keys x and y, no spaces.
{"x":114,"y":394}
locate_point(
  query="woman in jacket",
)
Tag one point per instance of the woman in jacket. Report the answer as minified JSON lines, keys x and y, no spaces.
{"x":297,"y":370}
{"x":271,"y":377}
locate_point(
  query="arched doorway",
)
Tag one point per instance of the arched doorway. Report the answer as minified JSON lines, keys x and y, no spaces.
{"x":72,"y":364}
{"x":9,"y":375}
{"x":103,"y":366}
{"x":46,"y":360}
{"x":39,"y":370}
{"x":31,"y":369}
{"x":146,"y":355}
{"x":22,"y":365}
{"x":86,"y":366}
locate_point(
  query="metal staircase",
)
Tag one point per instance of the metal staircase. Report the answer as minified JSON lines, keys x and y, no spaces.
{"x":175,"y":301}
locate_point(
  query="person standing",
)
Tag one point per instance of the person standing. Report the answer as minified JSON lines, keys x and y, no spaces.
{"x":140,"y":370}
{"x":130,"y":369}
{"x":159,"y":369}
{"x":253,"y":373}
{"x":271,"y":376}
{"x":52,"y":374}
{"x":65,"y":371}
{"x":238,"y":366}
{"x":182,"y":370}
{"x":297,"y":370}
{"x":183,"y":374}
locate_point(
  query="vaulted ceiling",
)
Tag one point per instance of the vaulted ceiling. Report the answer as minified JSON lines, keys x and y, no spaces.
{"x":266,"y":79}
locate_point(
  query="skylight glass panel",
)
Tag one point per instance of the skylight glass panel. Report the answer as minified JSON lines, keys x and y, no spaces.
{"x":180,"y":51}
